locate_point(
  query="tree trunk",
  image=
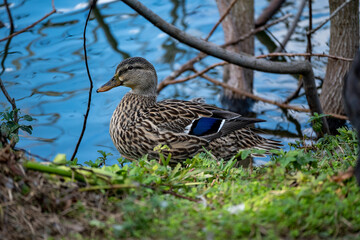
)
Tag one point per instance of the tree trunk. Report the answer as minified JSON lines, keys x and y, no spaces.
{"x":344,"y":42}
{"x":239,"y":21}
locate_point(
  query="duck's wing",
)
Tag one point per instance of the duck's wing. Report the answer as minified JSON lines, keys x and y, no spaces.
{"x":176,"y":116}
{"x":197,"y":119}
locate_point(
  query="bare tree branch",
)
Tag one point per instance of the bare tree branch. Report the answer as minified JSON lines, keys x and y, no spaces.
{"x":292,"y":27}
{"x":6,"y":49}
{"x":305,"y":55}
{"x":9,"y":15}
{"x":90,"y":80}
{"x":295,"y":94}
{"x":268,"y":12}
{"x":221,"y":19}
{"x":330,"y":17}
{"x":189,"y":65}
{"x":31,"y":25}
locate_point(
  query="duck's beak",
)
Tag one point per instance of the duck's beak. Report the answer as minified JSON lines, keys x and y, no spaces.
{"x":109,"y":85}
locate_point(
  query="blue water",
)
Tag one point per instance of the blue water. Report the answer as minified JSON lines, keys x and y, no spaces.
{"x":44,"y":69}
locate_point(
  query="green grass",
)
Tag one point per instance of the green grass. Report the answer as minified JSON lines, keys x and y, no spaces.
{"x":292,"y":197}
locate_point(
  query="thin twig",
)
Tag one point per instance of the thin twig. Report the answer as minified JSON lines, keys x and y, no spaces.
{"x":304,"y":55}
{"x":275,"y":38}
{"x":10,"y":100}
{"x":172,"y":193}
{"x":10,"y":17}
{"x":256,"y":30}
{"x":189,"y":65}
{"x":338,"y":116}
{"x":268,"y":12}
{"x":180,"y":196}
{"x":292,"y":27}
{"x":221,"y":19}
{"x":33,"y":154}
{"x":90,"y":80}
{"x":6,"y":49}
{"x":24,"y":217}
{"x":31,"y":25}
{"x":192,"y":76}
{"x":330,"y":17}
{"x":295,"y":94}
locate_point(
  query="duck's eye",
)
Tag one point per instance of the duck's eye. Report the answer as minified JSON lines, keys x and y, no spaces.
{"x":130,"y":67}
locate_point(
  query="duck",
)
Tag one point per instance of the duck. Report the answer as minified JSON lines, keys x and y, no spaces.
{"x":140,"y":123}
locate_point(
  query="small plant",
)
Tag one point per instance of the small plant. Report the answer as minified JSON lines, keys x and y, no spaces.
{"x":122,"y":161}
{"x":160,"y":148}
{"x":100,"y":161}
{"x":245,"y":153}
{"x":60,"y":159}
{"x":317,"y":122}
{"x":296,"y":159}
{"x":10,"y":125}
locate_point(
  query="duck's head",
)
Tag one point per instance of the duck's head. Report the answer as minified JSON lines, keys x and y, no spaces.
{"x":136,"y":73}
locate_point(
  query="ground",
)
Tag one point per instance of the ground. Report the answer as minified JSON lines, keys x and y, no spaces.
{"x":305,"y":193}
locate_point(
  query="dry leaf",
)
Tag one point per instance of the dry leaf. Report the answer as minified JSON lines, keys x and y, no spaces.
{"x":342,"y":176}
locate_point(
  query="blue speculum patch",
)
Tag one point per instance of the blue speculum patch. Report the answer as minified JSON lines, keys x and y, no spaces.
{"x":205,"y":126}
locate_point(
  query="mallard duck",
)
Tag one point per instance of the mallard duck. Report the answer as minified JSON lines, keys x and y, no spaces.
{"x":140,"y":123}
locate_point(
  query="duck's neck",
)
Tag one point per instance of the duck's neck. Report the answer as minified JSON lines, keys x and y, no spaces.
{"x":138,"y":101}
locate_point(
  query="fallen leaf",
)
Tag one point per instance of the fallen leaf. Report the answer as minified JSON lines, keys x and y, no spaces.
{"x":342,"y":176}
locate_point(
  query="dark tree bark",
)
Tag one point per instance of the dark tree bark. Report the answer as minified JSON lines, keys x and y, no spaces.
{"x":344,"y":41}
{"x":238,"y":22}
{"x":351,"y":93}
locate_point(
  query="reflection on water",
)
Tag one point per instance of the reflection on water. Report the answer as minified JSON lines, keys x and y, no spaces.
{"x":43,"y":69}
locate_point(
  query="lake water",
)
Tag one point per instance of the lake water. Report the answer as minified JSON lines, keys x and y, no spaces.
{"x":44,"y":69}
